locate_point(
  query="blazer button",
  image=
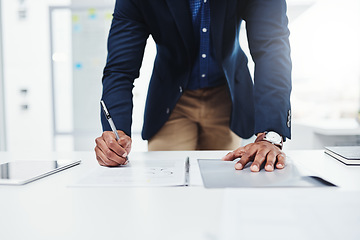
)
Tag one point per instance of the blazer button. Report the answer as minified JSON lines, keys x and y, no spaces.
{"x":288,"y":119}
{"x":180,"y":88}
{"x":167,"y":110}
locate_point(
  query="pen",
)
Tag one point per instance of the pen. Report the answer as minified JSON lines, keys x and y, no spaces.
{"x":187,"y":170}
{"x":111,"y":123}
{"x":108,"y":117}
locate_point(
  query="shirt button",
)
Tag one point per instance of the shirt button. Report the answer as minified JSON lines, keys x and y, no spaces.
{"x":167,"y":110}
{"x":203,"y":75}
{"x":203,"y":55}
{"x":205,"y":1}
{"x":204,"y":30}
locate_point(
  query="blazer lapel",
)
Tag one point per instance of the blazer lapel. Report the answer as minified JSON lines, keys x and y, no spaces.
{"x":180,"y":10}
{"x":217,"y":17}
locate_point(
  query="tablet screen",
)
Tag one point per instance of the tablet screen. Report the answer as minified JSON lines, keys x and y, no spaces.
{"x":21,"y":172}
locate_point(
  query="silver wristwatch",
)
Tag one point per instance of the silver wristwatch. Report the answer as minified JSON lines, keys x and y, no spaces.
{"x":271,"y":137}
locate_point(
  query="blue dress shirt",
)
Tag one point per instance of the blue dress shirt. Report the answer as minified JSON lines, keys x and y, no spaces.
{"x":206,"y":72}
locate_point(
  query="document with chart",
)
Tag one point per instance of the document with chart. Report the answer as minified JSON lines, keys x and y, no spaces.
{"x":150,"y":173}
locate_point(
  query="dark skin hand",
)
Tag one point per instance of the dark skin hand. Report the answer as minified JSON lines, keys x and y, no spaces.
{"x":110,"y":152}
{"x":258,"y":152}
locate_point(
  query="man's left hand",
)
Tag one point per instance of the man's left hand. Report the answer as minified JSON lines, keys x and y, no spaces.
{"x":259,"y":152}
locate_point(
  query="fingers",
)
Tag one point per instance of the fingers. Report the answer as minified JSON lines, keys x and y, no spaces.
{"x":261,"y":153}
{"x":110,"y":152}
{"x":234,"y":154}
{"x":125,"y":141}
{"x":103,"y":160}
{"x":270,"y":161}
{"x":260,"y":157}
{"x":246,"y":157}
{"x":274,"y":157}
{"x":113,"y":145}
{"x":268,"y":154}
{"x":281,"y":160}
{"x":238,"y":153}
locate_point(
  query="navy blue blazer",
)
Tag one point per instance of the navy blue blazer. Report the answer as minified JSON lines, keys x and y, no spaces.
{"x":257,"y":106}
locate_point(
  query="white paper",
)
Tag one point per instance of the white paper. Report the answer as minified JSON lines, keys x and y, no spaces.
{"x":149,"y":173}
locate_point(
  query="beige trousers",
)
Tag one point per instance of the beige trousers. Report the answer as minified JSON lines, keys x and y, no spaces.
{"x":199,"y":121}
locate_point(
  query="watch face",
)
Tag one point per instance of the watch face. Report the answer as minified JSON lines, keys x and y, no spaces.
{"x":273,"y":137}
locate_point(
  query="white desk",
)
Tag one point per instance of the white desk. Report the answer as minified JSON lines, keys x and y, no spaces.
{"x":49,"y":209}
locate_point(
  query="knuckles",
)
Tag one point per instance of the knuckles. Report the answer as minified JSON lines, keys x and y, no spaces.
{"x":266,"y":145}
{"x":125,"y":141}
{"x":112,"y":144}
{"x":261,"y":155}
{"x":109,"y":154}
{"x":97,"y":140}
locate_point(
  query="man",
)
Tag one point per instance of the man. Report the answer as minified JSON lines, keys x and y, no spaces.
{"x":200,"y":95}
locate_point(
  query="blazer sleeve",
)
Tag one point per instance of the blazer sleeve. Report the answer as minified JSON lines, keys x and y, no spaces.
{"x":126,"y":44}
{"x":268,"y":38}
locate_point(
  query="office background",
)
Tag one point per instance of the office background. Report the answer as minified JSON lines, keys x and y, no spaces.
{"x":52,"y":53}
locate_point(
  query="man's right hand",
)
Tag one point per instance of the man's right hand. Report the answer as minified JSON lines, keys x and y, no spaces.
{"x":110,"y":152}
